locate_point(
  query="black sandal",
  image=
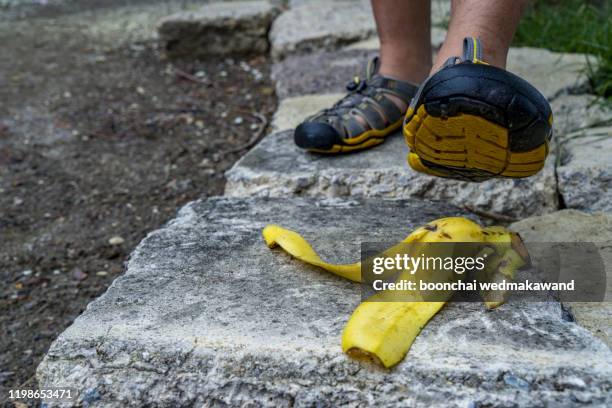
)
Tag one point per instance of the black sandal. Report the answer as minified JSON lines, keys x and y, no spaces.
{"x":472,"y":121}
{"x":373,"y":108}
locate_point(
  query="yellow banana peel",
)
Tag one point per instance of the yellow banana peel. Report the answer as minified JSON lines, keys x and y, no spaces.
{"x":382,"y":329}
{"x":299,"y":248}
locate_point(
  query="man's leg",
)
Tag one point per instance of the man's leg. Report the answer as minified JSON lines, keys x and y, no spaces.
{"x":494,"y":22}
{"x":405,"y":38}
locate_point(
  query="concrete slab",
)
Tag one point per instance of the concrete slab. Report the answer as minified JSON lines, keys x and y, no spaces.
{"x":207,"y":315}
{"x":277,"y":168}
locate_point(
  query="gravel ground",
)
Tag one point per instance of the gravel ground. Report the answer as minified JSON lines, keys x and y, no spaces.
{"x":99,"y":144}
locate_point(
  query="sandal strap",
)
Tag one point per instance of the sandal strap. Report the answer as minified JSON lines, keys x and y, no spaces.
{"x":352,"y":126}
{"x":370,"y":111}
{"x":368,"y":105}
{"x":472,"y":50}
{"x":389,"y":107}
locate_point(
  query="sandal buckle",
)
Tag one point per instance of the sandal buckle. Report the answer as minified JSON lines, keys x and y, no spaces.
{"x":356,"y":85}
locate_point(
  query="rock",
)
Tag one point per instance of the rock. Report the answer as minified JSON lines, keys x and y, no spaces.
{"x":550,"y":72}
{"x":319,"y":72}
{"x":573,"y":112}
{"x":116,"y":240}
{"x":315,"y":24}
{"x":277,"y":168}
{"x":440,"y":13}
{"x":291,"y":111}
{"x":585,"y":172}
{"x":373,"y":43}
{"x":218,"y":28}
{"x":207,"y":315}
{"x":576,"y":226}
{"x":78,"y":274}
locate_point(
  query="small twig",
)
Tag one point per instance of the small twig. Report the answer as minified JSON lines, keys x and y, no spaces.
{"x":487,"y":214}
{"x":188,"y":76}
{"x":254,"y":139}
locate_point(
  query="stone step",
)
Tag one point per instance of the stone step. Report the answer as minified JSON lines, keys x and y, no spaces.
{"x":218,"y":28}
{"x":311,"y":25}
{"x":373,"y":43}
{"x":277,"y":168}
{"x":207,"y":315}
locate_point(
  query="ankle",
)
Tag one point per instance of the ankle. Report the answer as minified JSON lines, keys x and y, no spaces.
{"x":405,"y":70}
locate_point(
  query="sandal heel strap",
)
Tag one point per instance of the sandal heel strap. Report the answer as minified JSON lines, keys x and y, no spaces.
{"x":472,"y":50}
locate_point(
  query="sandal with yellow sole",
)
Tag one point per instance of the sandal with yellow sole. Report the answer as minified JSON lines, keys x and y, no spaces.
{"x":374,"y":108}
{"x":472,"y":121}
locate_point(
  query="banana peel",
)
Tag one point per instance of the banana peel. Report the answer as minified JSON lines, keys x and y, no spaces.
{"x":299,"y":248}
{"x":381,"y":329}
{"x":511,"y":255}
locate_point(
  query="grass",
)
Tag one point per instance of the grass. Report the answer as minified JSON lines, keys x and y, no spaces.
{"x":573,"y":26}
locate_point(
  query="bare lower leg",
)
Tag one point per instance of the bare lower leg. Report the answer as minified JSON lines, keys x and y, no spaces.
{"x":405,"y":40}
{"x":494,"y":22}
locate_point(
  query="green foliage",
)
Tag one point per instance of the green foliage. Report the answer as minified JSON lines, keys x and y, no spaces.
{"x":573,"y":26}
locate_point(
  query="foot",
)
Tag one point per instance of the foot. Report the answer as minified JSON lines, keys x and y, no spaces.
{"x":373,"y":108}
{"x":472,"y":121}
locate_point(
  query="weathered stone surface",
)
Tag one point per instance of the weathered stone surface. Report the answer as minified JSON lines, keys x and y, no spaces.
{"x":291,"y":111}
{"x":576,"y":226}
{"x":310,"y":25}
{"x":326,"y":72}
{"x":319,"y":72}
{"x":207,"y":315}
{"x":573,"y":112}
{"x":277,"y":168}
{"x":440,"y":9}
{"x":321,"y":25}
{"x":550,"y":72}
{"x":373,"y":43}
{"x":585,"y":173}
{"x":219,"y":28}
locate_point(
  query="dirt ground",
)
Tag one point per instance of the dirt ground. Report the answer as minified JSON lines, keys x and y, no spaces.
{"x":100,"y":144}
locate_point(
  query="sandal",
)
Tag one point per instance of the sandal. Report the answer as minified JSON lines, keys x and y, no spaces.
{"x":373,"y":108}
{"x":472,"y":121}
